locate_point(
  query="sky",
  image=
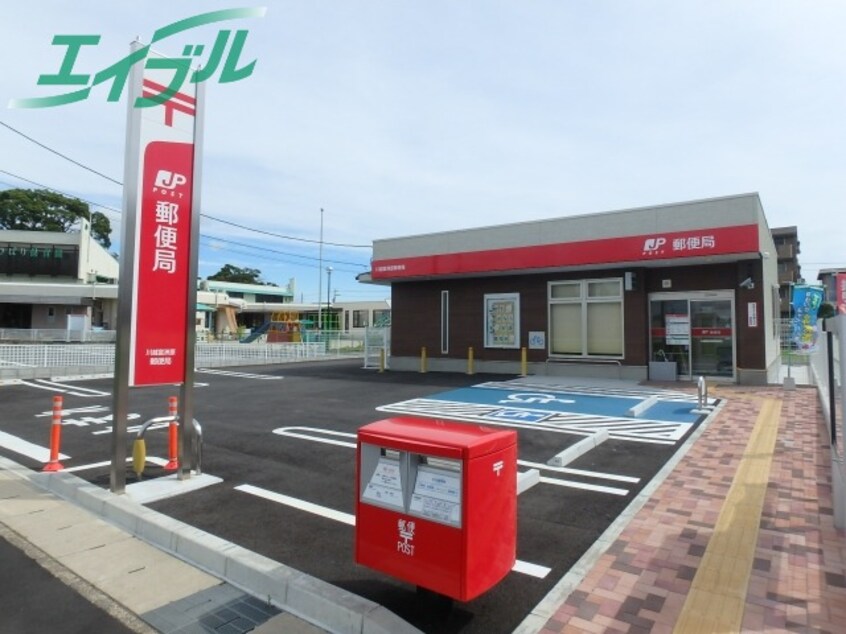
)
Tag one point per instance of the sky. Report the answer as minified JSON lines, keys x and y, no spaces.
{"x":410,"y":116}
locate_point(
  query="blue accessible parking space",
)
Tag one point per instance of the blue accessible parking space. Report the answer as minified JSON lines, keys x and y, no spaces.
{"x":664,"y":416}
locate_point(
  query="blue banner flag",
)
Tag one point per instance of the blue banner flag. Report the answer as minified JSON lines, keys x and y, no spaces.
{"x":806,"y":303}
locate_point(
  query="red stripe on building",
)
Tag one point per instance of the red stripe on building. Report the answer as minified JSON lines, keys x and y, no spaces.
{"x":647,"y":247}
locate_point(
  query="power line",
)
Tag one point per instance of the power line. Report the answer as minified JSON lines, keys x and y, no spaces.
{"x":277,"y":235}
{"x":31,"y":182}
{"x":285,"y":253}
{"x":57,"y":153}
{"x":202,"y":215}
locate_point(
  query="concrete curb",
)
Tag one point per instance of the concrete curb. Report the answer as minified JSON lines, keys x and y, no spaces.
{"x":302,"y":595}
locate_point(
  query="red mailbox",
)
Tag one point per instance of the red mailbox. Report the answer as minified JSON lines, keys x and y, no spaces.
{"x":437,"y":503}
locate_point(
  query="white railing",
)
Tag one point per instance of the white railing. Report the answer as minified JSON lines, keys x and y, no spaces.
{"x":22,"y":359}
{"x":377,"y":348}
{"x":221,"y":354}
{"x":828,"y":364}
{"x":47,"y":335}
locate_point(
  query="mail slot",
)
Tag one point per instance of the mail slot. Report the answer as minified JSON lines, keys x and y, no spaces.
{"x":437,"y":503}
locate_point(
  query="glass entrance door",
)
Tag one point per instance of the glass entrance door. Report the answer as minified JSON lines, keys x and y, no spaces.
{"x":711,"y":334}
{"x":695,"y":330}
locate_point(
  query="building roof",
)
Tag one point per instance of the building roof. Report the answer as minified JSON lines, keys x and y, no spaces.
{"x":258,"y":289}
{"x":701,"y":231}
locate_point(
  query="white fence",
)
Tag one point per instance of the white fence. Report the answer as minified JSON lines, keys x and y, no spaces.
{"x":40,"y":360}
{"x":828,"y":365}
{"x":49,"y":335}
{"x":377,"y":348}
{"x":220,"y":354}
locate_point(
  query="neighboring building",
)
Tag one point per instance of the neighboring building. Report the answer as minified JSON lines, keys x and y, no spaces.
{"x":56,"y":281}
{"x":834,"y":283}
{"x":786,"y":241}
{"x":358,"y":316}
{"x":227,"y":308}
{"x":231,"y":306}
{"x":68,"y":282}
{"x":622,"y":294}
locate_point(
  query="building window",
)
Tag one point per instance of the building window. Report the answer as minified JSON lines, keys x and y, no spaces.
{"x":381,"y":317}
{"x":360,"y":319}
{"x":586,"y":318}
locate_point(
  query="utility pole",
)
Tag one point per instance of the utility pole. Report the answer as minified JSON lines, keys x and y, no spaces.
{"x":320,"y":277}
{"x":328,"y":292}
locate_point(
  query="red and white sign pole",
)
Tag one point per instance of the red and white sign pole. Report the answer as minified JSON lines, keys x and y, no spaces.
{"x":157,"y":293}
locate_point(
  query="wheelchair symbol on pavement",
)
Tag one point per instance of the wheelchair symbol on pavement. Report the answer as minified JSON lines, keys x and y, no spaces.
{"x":535,"y":397}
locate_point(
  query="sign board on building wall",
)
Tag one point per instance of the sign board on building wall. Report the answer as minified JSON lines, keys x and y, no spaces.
{"x":28,"y":258}
{"x":537,"y":340}
{"x":752,"y":314}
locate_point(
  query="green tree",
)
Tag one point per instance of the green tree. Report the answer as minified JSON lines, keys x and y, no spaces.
{"x":44,"y":210}
{"x":232,"y":273}
{"x":827,"y":311}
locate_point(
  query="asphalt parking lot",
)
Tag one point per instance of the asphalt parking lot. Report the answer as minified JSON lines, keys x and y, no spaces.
{"x":281,"y":436}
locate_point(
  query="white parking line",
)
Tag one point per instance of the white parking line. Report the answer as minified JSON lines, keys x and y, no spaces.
{"x":64,"y":389}
{"x":26,"y":448}
{"x":579,"y":472}
{"x":523,"y":567}
{"x":313,"y":433}
{"x":586,"y":487}
{"x":74,"y":389}
{"x":240,"y":375}
{"x":315,"y":509}
{"x":96,"y":465}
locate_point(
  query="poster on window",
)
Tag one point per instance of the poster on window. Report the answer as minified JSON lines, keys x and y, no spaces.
{"x":502,"y":320}
{"x":678,"y":329}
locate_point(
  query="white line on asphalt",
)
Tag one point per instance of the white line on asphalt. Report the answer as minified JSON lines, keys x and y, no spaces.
{"x":241,"y":375}
{"x":96,"y":465}
{"x":26,"y":448}
{"x":533,"y":570}
{"x":312,"y":434}
{"x":580,"y":472}
{"x":316,"y":509}
{"x":75,"y":389}
{"x":570,"y":484}
{"x":53,"y":388}
{"x":523,"y":567}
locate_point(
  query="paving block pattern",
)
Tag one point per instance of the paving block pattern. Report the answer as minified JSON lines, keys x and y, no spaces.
{"x":797,"y":580}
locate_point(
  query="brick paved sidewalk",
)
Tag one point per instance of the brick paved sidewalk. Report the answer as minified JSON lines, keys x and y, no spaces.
{"x":797,"y":580}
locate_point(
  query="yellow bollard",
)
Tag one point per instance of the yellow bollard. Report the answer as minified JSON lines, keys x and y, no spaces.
{"x":524,"y":362}
{"x":423,"y":360}
{"x":381,"y":359}
{"x":139,"y":456}
{"x":470,"y":369}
